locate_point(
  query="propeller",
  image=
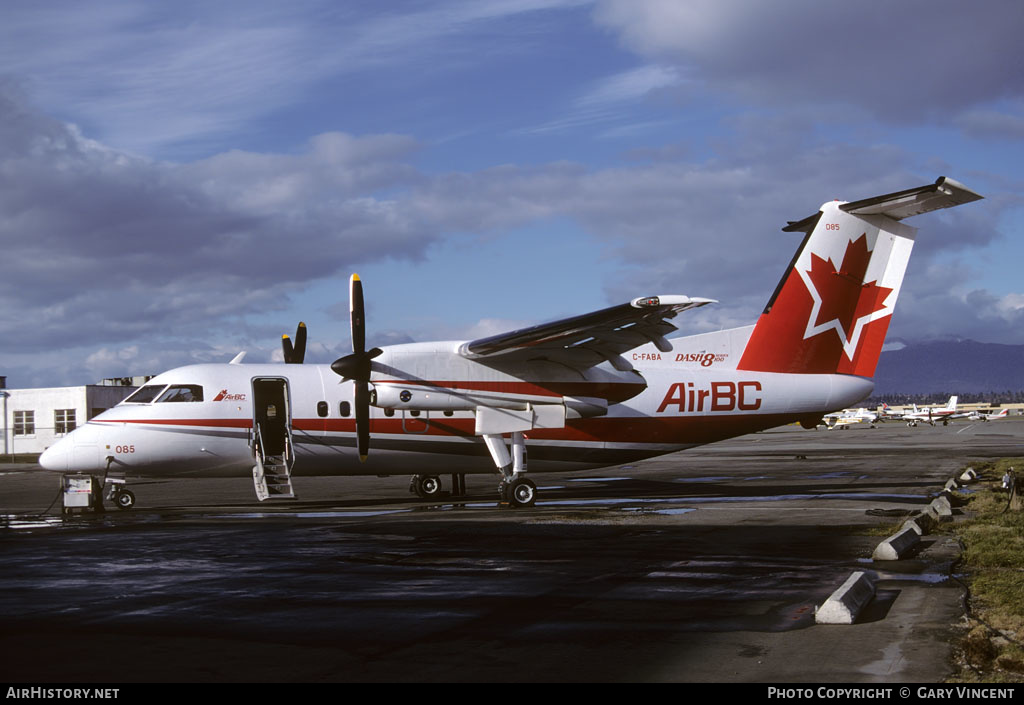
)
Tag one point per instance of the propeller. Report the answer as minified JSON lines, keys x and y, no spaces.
{"x":295,"y":355}
{"x":356,"y":366}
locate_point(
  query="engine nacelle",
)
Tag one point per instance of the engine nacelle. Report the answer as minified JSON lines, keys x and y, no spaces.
{"x":396,"y":396}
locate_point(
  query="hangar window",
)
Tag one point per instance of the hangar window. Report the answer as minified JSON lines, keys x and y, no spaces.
{"x":24,"y":423}
{"x":182,"y":392}
{"x":144,"y":395}
{"x":63,"y":421}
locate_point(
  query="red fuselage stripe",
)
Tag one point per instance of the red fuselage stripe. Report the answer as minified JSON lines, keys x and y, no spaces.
{"x":669,"y":429}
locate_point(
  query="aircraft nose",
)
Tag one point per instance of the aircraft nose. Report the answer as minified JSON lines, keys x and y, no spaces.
{"x":76,"y":452}
{"x":57,"y":456}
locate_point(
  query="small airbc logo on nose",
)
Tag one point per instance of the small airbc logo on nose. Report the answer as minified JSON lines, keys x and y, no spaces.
{"x":224,"y":396}
{"x":843,"y":300}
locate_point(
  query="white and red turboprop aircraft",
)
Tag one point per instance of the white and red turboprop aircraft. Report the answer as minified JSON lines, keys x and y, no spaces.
{"x":932,"y":414}
{"x":594,"y":390}
{"x":990,"y":416}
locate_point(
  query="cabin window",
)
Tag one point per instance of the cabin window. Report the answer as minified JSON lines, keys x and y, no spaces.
{"x":321,"y":409}
{"x":345,"y":409}
{"x":144,"y":395}
{"x":389,"y":412}
{"x":181,"y":392}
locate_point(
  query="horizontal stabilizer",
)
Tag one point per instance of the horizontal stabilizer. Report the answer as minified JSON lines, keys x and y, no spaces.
{"x":944,"y":193}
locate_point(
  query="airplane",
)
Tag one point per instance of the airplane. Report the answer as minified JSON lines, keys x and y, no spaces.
{"x":933,"y":414}
{"x":886,"y":412}
{"x":990,"y":416}
{"x":593,"y":390}
{"x":845,"y":418}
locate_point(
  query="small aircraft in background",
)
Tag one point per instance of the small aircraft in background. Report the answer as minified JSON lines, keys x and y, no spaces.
{"x":847,"y":417}
{"x":990,"y":416}
{"x":598,"y":389}
{"x":933,"y":414}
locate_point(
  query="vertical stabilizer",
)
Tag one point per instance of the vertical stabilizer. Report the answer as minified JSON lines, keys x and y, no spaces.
{"x":831,"y":311}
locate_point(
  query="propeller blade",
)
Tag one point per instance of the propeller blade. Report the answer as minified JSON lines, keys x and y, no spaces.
{"x":294,"y":355}
{"x":356,"y":366}
{"x":362,"y":399}
{"x":358,"y":314}
{"x":300,"y":342}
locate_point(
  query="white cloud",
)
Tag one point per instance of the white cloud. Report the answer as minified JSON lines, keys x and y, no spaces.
{"x":908,"y":60}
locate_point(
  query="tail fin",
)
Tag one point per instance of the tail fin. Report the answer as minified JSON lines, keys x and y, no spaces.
{"x":832,"y":308}
{"x":951,"y":404}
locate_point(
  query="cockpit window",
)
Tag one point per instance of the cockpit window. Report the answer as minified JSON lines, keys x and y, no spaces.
{"x":182,"y":392}
{"x":144,"y":395}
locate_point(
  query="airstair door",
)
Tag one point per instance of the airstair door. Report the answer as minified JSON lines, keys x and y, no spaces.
{"x":272,"y":439}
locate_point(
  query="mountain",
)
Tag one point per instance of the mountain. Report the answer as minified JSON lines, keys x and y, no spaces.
{"x":950,"y":367}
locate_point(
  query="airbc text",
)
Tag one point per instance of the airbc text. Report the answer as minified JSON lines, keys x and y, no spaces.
{"x":715,"y":396}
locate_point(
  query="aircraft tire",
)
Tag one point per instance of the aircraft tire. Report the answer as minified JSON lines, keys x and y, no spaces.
{"x":426,"y":486}
{"x":521,"y":492}
{"x":125,"y":499}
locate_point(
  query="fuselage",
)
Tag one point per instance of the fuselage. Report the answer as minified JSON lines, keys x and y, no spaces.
{"x":199,"y":419}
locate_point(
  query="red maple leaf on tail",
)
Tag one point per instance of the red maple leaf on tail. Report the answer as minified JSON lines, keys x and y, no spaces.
{"x":845,"y":296}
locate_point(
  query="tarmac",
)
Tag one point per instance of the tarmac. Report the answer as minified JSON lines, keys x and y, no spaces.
{"x":701,"y":566}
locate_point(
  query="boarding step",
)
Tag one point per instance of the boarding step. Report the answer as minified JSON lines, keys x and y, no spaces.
{"x":272,"y":481}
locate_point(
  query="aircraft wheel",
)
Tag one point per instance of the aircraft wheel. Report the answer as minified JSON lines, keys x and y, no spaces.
{"x":521,"y":492}
{"x":426,"y":486}
{"x":125,"y":499}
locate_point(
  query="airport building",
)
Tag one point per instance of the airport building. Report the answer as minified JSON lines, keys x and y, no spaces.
{"x":33,"y":419}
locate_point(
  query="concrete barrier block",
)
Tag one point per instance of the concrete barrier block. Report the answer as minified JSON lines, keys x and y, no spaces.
{"x":843,"y":605}
{"x":969,"y":475}
{"x":951,"y":484}
{"x":942,"y":508}
{"x":921,"y":522}
{"x":897,"y":545}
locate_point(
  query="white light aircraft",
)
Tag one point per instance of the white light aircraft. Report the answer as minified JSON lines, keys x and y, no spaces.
{"x":933,"y":414}
{"x":845,"y":418}
{"x":990,"y":416}
{"x":593,"y":390}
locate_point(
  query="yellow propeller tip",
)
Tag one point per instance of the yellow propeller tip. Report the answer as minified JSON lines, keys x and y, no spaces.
{"x":355,"y":277}
{"x":362,"y":458}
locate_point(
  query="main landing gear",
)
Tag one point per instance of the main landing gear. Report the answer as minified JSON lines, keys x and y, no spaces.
{"x":516,"y":490}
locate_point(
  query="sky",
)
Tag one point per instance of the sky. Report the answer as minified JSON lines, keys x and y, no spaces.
{"x":183,"y":181}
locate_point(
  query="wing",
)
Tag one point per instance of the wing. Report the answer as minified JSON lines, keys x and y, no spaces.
{"x":584,"y":341}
